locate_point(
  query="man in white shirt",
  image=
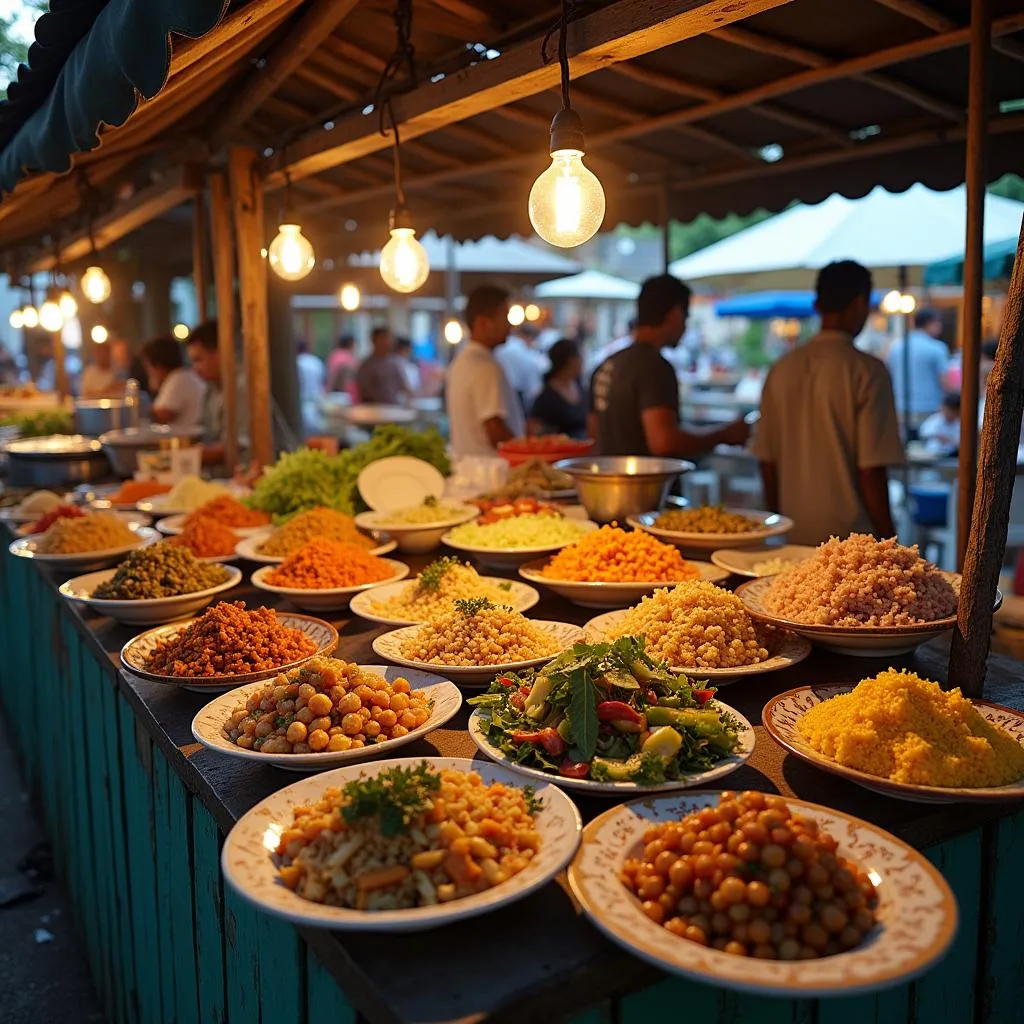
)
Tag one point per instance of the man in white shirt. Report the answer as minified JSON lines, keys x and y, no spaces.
{"x":941,"y":431}
{"x":99,"y":378}
{"x":178,"y":390}
{"x":483,"y":409}
{"x":524,"y":366}
{"x":312,"y":378}
{"x":828,"y":428}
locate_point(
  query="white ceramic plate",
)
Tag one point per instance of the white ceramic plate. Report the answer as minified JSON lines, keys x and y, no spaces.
{"x":478,"y":733}
{"x":324,"y":600}
{"x":250,"y":869}
{"x":512,"y":558}
{"x":785,"y":649}
{"x":780,"y":717}
{"x":25,"y":547}
{"x":917,"y":911}
{"x":389,"y":645}
{"x":520,"y":596}
{"x":398,"y":482}
{"x":247,"y":549}
{"x":11,"y":514}
{"x":741,"y":561}
{"x":137,"y":651}
{"x":420,"y":538}
{"x":172,"y":525}
{"x":608,"y":595}
{"x":159,"y":506}
{"x":861,"y":641}
{"x":133,"y":520}
{"x":148,"y":611}
{"x":208,"y":725}
{"x":770,"y":524}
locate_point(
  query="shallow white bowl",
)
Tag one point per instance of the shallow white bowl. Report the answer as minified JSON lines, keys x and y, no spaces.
{"x":250,"y":867}
{"x":25,"y":547}
{"x":133,"y":520}
{"x":148,"y":611}
{"x":325,"y":600}
{"x":741,"y":561}
{"x":512,"y":558}
{"x":172,"y":525}
{"x":770,"y":524}
{"x":246,"y":548}
{"x":415,"y":539}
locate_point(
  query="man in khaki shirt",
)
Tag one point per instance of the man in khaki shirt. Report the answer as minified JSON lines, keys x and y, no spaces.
{"x":828,"y":428}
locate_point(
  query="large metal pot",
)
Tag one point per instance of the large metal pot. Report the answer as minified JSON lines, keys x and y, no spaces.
{"x":123,"y":446}
{"x":56,"y":462}
{"x":95,"y":416}
{"x":615,"y":486}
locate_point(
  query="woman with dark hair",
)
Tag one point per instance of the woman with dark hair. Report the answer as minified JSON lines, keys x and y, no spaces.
{"x":179,"y":391}
{"x":561,"y":407}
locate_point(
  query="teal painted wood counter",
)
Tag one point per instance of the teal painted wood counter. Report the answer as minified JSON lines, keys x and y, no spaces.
{"x":137,"y":812}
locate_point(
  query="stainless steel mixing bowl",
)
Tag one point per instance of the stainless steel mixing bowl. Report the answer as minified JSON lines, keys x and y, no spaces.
{"x":615,"y":486}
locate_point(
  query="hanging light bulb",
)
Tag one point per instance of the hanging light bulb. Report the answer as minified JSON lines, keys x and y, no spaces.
{"x":99,"y":334}
{"x":349,"y":297}
{"x":16,"y":319}
{"x":50,"y":316}
{"x":907,"y":303}
{"x":181,"y":331}
{"x":516,"y":314}
{"x":567,"y":200}
{"x":404,"y":264}
{"x":95,"y":284}
{"x":30,"y":317}
{"x":532,"y":311}
{"x":68,"y":305}
{"x":891,"y":301}
{"x":291,"y":253}
{"x":453,"y":332}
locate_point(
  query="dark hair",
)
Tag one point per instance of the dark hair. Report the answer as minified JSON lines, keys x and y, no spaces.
{"x":302,"y":345}
{"x":403,"y":345}
{"x":658,"y":297}
{"x":989,"y":348}
{"x":484,"y":300}
{"x":164,"y":353}
{"x":205,"y":334}
{"x":378,"y":331}
{"x":839,"y":284}
{"x":952,"y":401}
{"x":346,"y":342}
{"x":925,"y":316}
{"x":561,"y":353}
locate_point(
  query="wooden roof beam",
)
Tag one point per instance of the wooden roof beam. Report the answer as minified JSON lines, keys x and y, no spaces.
{"x":319,"y":20}
{"x":619,"y":31}
{"x":177,"y":187}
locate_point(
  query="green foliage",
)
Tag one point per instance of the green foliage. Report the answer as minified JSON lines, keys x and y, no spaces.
{"x":14,"y":50}
{"x":40,"y":424}
{"x":1009,"y":186}
{"x":704,"y":230}
{"x":750,"y":346}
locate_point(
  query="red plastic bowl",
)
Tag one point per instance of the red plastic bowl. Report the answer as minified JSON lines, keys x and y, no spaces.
{"x":546,"y":448}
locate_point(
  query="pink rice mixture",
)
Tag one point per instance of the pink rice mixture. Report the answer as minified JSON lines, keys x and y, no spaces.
{"x":862,"y":582}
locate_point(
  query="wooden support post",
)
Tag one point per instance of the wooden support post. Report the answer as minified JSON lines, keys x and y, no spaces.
{"x":977,"y":152}
{"x":1000,"y":436}
{"x":60,"y":368}
{"x":200,"y":271}
{"x":224,"y":286}
{"x":247,"y":206}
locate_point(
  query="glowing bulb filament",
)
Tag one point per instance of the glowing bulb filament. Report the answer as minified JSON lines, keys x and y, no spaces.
{"x":567,"y":201}
{"x":404,"y":264}
{"x":291,"y":253}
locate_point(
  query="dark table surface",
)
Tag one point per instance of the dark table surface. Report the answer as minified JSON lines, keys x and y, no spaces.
{"x":538,"y":958}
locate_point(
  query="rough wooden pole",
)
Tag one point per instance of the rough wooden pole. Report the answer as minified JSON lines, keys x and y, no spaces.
{"x":1000,"y":437}
{"x":977,"y":152}
{"x":200,"y":270}
{"x":60,"y":367}
{"x":224,"y":287}
{"x":247,"y":206}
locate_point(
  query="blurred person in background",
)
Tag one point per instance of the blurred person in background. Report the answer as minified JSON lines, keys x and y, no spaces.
{"x":8,"y":367}
{"x":409,"y":366}
{"x":380,"y":379}
{"x":312,"y":377}
{"x":634,"y":394}
{"x":99,"y":375}
{"x":940,"y":432}
{"x":616,"y":345}
{"x":204,"y":355}
{"x":828,"y":429}
{"x":561,"y":406}
{"x":929,"y":365}
{"x":341,"y":367}
{"x":524,"y":366}
{"x":180,"y":391}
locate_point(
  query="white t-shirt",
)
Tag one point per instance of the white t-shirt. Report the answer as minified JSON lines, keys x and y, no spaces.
{"x":98,"y":383}
{"x":523,"y":367}
{"x":827,"y":411}
{"x":312,"y":376}
{"x":181,"y":394}
{"x":477,"y":390}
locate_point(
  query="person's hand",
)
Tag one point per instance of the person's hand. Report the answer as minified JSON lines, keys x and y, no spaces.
{"x":737,"y":433}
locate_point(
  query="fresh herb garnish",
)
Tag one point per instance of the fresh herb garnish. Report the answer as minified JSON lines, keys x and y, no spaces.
{"x":533,"y":802}
{"x":430,"y":578}
{"x":583,"y":713}
{"x":395,"y":796}
{"x":430,"y":501}
{"x":507,"y":585}
{"x":473,"y":606}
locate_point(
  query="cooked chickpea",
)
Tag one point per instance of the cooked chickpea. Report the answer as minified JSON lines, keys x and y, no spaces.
{"x":296,"y":733}
{"x":319,"y":704}
{"x":318,"y":740}
{"x":338,"y":743}
{"x":352,"y":724}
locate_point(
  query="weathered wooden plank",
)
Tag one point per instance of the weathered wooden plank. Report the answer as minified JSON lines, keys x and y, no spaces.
{"x":208,"y":917}
{"x":166,"y":848}
{"x":280,"y":945}
{"x":740,"y":1007}
{"x":324,"y":1000}
{"x":603,"y":1014}
{"x":181,"y":876}
{"x":1003,"y":963}
{"x":242,"y":949}
{"x":663,"y":1002}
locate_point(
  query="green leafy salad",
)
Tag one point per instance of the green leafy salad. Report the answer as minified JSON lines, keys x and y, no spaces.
{"x":610,"y":713}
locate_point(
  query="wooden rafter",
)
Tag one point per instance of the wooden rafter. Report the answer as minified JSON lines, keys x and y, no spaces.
{"x":320,"y":18}
{"x":620,"y":31}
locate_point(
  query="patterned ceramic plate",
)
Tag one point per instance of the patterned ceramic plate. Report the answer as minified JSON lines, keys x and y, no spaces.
{"x":766,"y":524}
{"x":477,"y":732}
{"x":520,"y":596}
{"x":742,"y":561}
{"x":250,"y":867}
{"x":26,"y":548}
{"x":511,"y":558}
{"x":208,"y":725}
{"x":861,"y":641}
{"x":607,"y":595}
{"x":781,"y":713}
{"x":137,"y":651}
{"x":326,"y":599}
{"x":784,"y":650}
{"x":917,"y":914}
{"x":389,"y":645}
{"x":172,"y":525}
{"x":248,"y":548}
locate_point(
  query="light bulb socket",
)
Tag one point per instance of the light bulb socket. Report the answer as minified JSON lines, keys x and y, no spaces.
{"x":567,"y":131}
{"x":400,"y":218}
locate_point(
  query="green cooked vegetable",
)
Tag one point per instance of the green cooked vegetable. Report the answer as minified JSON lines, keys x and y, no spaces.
{"x":164,"y":570}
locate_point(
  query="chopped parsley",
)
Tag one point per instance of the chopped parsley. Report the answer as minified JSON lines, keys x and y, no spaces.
{"x":533,"y":802}
{"x":394,"y":796}
{"x":473,"y":606}
{"x":433,"y":574}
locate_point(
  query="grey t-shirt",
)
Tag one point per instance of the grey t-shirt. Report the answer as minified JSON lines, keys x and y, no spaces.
{"x":380,"y":380}
{"x":636,"y":378}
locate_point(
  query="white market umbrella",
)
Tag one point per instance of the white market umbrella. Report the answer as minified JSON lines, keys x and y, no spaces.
{"x":591,"y":284}
{"x":883,"y":231}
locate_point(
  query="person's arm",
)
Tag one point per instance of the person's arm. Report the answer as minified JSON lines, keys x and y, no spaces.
{"x":874,"y":492}
{"x":770,"y":485}
{"x":665,"y":437}
{"x":497,"y":430}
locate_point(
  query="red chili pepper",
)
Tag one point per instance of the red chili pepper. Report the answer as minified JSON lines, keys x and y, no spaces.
{"x":574,"y":769}
{"x":506,"y":681}
{"x":547,"y":738}
{"x":617,"y":711}
{"x":702,"y":696}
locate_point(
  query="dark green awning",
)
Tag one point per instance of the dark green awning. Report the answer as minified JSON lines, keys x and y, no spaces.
{"x":997,"y":266}
{"x":89,"y":66}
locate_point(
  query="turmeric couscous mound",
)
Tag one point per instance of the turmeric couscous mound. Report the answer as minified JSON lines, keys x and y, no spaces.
{"x":898,"y":726}
{"x":613,"y":555}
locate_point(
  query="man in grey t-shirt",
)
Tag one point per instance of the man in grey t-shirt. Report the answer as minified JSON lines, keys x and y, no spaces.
{"x":380,"y":378}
